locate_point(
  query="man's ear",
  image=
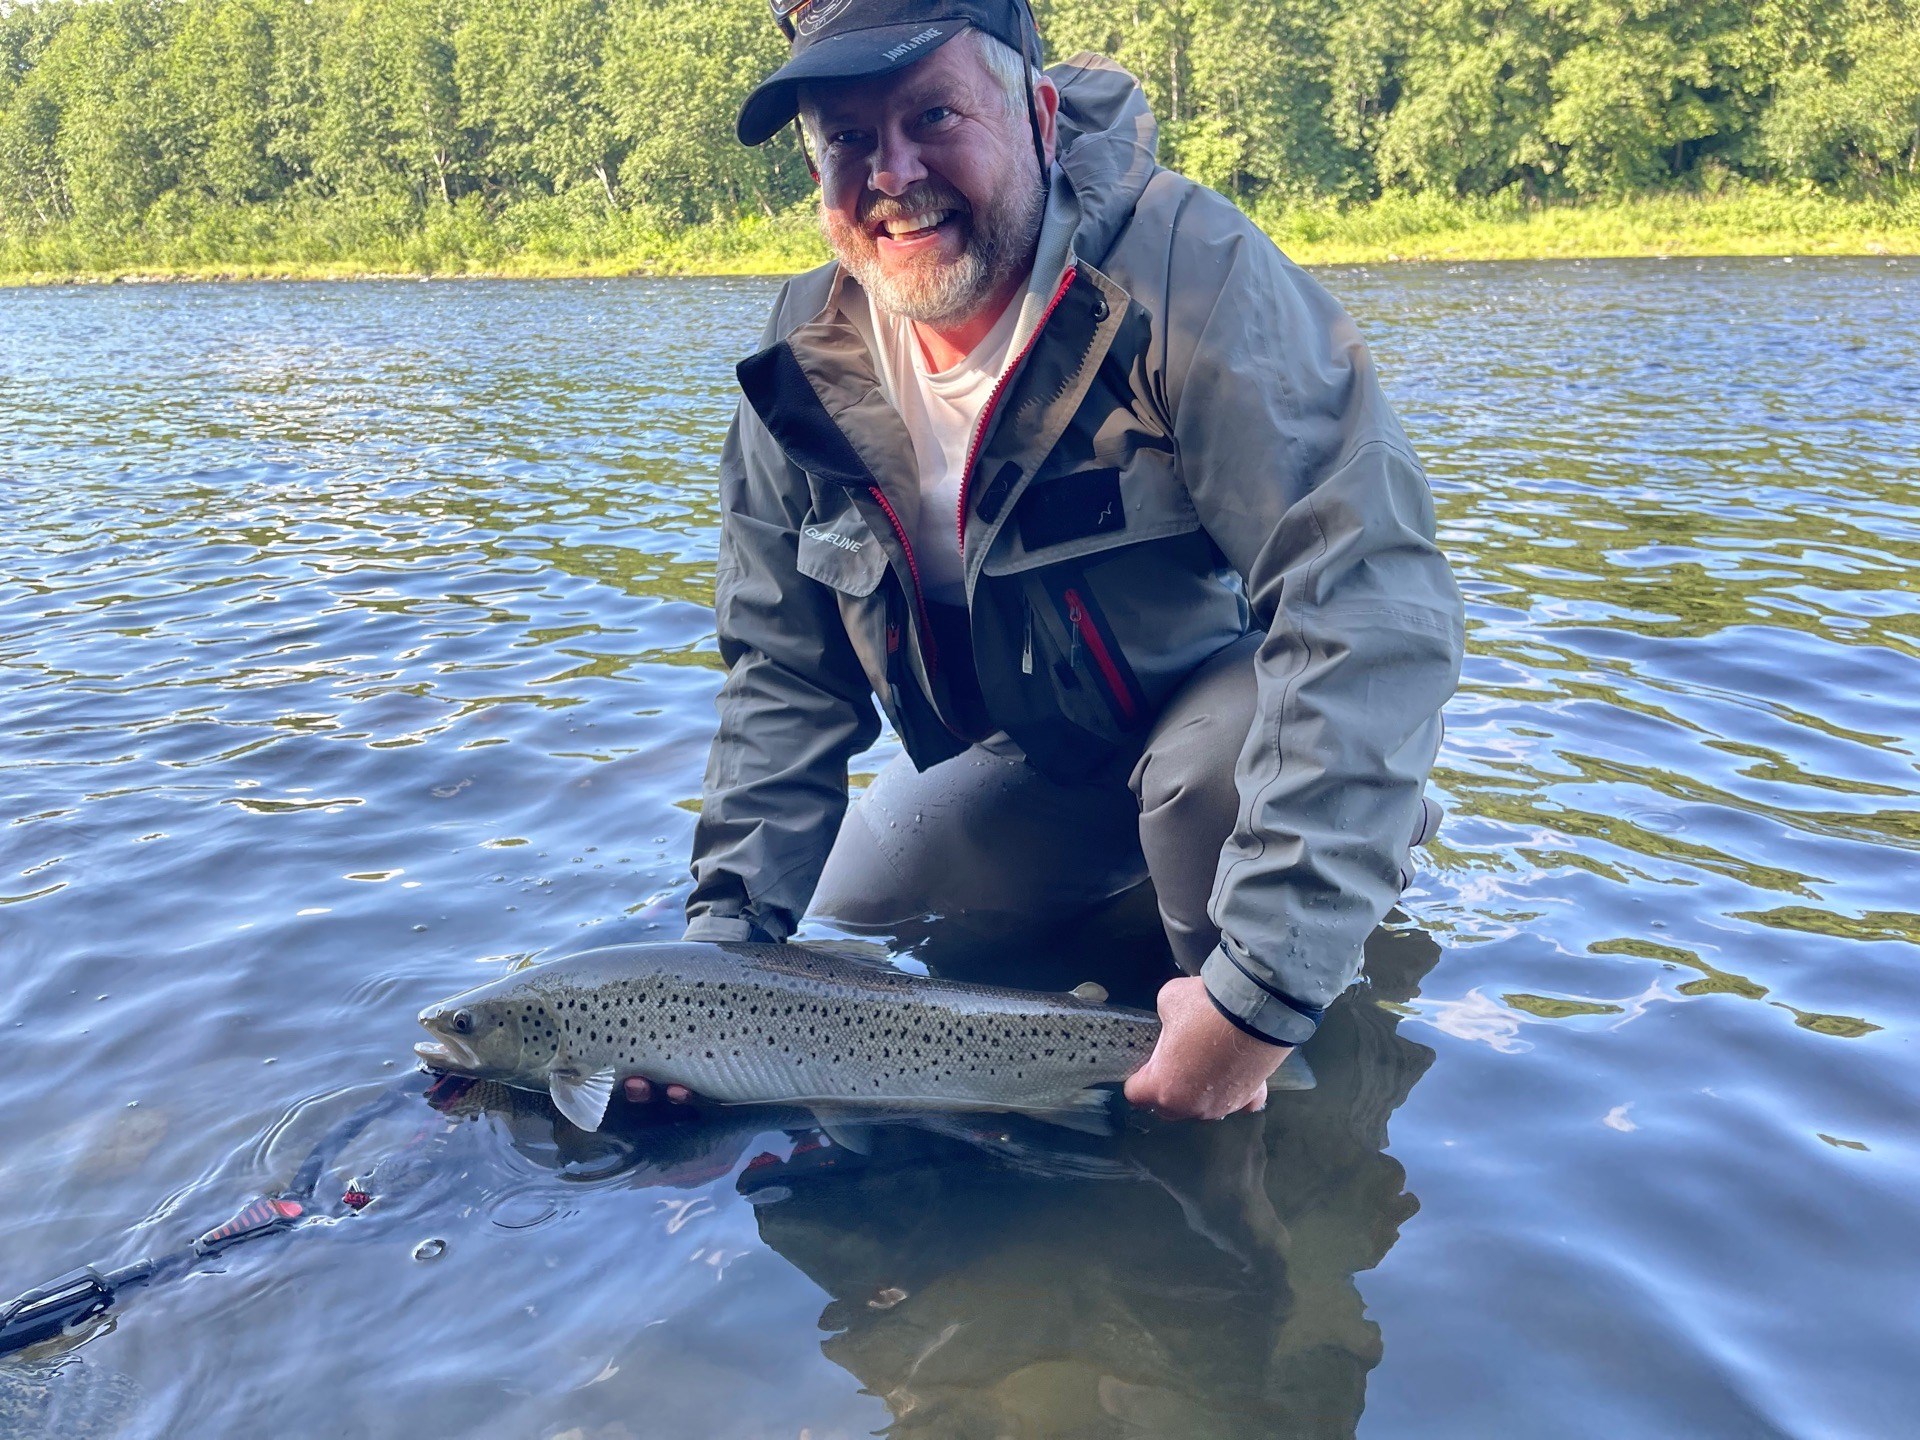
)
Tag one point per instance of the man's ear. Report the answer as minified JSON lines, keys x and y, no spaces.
{"x":1046,"y":109}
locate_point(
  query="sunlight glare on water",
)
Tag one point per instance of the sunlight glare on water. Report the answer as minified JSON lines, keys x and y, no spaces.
{"x":356,"y":642}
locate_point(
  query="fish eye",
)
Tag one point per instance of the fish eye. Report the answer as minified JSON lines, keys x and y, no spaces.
{"x":463,"y":1022}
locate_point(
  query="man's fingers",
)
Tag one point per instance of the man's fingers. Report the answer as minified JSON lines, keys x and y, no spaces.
{"x":640,"y":1091}
{"x":1172,"y":1101}
{"x":1145,"y":1097}
{"x":1146,"y":1090}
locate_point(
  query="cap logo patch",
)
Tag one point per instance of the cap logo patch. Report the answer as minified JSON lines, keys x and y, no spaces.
{"x":819,"y":13}
{"x":911,"y":43}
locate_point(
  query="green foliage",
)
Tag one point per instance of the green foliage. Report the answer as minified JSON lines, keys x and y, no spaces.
{"x":1475,"y":87}
{"x":1850,"y":110}
{"x":1647,"y":80}
{"x":477,"y":130}
{"x":678,"y":70}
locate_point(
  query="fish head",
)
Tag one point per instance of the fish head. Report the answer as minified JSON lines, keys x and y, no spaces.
{"x":495,"y":1033}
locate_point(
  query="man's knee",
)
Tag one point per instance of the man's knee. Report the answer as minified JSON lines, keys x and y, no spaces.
{"x":866,"y":880}
{"x":1184,"y":778}
{"x":983,"y":840}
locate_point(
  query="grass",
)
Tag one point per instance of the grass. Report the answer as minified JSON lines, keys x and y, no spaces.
{"x":1748,"y":221}
{"x":395,"y":238}
{"x":564,"y":238}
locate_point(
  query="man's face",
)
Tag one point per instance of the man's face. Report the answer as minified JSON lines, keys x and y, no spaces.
{"x":929,"y":191}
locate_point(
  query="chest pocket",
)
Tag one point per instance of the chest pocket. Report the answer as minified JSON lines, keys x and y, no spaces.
{"x":842,"y":555}
{"x":1098,"y":504}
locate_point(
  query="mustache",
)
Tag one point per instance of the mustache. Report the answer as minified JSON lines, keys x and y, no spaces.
{"x":916,"y":201}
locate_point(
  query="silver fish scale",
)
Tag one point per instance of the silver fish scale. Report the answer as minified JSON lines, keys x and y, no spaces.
{"x":769,"y":1023}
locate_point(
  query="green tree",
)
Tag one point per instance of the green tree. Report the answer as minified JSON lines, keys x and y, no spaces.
{"x":118,"y":141}
{"x":1849,"y":109}
{"x":533,"y":95}
{"x":407,"y":115}
{"x":33,"y":178}
{"x":1647,"y":82}
{"x":1473,"y":90}
{"x":219,"y":68}
{"x":676,"y":71}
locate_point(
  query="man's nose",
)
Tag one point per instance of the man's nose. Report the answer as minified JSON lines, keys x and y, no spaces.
{"x":895,"y":165}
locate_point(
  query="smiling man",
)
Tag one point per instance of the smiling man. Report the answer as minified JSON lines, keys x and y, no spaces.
{"x":1099,"y":495}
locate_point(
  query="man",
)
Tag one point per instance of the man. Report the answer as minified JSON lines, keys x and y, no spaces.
{"x":1100,"y":496}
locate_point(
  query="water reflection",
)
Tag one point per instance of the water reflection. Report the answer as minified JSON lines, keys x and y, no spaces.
{"x":1201,"y":1285}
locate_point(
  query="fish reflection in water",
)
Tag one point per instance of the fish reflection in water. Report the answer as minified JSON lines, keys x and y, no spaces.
{"x":992,"y":1276}
{"x":676,"y":1149}
{"x":1199,"y":1285}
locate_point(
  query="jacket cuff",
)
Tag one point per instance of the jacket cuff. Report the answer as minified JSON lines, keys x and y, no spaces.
{"x":728,"y":929}
{"x":1263,"y":1013}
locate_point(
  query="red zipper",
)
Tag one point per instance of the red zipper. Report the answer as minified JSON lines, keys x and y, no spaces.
{"x":1082,"y":621}
{"x":993,"y":399}
{"x":913,"y":569}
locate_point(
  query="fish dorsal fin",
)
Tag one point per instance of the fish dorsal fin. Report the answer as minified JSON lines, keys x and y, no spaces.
{"x":1095,"y":994}
{"x":582,"y":1098}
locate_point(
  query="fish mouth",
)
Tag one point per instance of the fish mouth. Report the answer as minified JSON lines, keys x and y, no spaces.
{"x":443,"y":1050}
{"x":439,"y":1055}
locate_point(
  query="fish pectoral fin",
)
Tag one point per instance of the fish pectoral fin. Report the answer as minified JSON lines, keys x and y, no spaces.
{"x":1089,"y":991}
{"x":1294,"y":1074}
{"x":842,"y":1131}
{"x":582,"y":1098}
{"x":1091,"y":1111}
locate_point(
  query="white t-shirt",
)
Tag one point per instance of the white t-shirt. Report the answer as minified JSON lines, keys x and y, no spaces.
{"x":941,"y":409}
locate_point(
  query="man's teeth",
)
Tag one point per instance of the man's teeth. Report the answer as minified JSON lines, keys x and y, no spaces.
{"x":914,"y":224}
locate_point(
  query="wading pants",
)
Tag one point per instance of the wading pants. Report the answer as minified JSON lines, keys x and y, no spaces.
{"x":986,"y":846}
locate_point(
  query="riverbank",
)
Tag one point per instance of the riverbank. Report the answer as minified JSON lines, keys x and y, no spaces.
{"x":550,"y":239}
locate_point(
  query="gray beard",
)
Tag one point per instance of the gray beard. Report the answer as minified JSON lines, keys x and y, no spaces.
{"x":948,"y":296}
{"x":1000,"y":245}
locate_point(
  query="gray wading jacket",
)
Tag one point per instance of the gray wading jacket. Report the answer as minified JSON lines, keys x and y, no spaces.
{"x":1191,"y":442}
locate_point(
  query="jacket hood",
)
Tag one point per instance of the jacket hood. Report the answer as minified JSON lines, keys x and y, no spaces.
{"x":1107,"y":142}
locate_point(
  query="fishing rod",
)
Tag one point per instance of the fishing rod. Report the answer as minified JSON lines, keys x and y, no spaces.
{"x":61,"y":1305}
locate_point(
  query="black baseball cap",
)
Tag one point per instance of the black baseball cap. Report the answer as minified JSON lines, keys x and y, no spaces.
{"x":855,"y":39}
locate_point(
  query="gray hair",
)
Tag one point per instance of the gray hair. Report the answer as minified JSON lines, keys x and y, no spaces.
{"x":1009,"y":69}
{"x":1012,"y":76}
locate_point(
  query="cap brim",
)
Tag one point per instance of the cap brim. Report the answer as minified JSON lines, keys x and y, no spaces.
{"x":858,"y":55}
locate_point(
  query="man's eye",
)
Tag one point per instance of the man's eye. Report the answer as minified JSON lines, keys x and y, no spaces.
{"x":840,"y":139}
{"x":934,"y":116}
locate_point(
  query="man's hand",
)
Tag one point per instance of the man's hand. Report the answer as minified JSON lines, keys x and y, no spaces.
{"x":1204,"y":1066}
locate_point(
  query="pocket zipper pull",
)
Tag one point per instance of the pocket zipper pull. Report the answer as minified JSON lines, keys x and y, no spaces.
{"x":1073,"y":633}
{"x":1026,"y":648}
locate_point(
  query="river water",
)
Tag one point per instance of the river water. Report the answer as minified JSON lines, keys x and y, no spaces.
{"x":355,"y":642}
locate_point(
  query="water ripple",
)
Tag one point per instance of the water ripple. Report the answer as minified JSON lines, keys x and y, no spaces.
{"x":356,"y":644}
